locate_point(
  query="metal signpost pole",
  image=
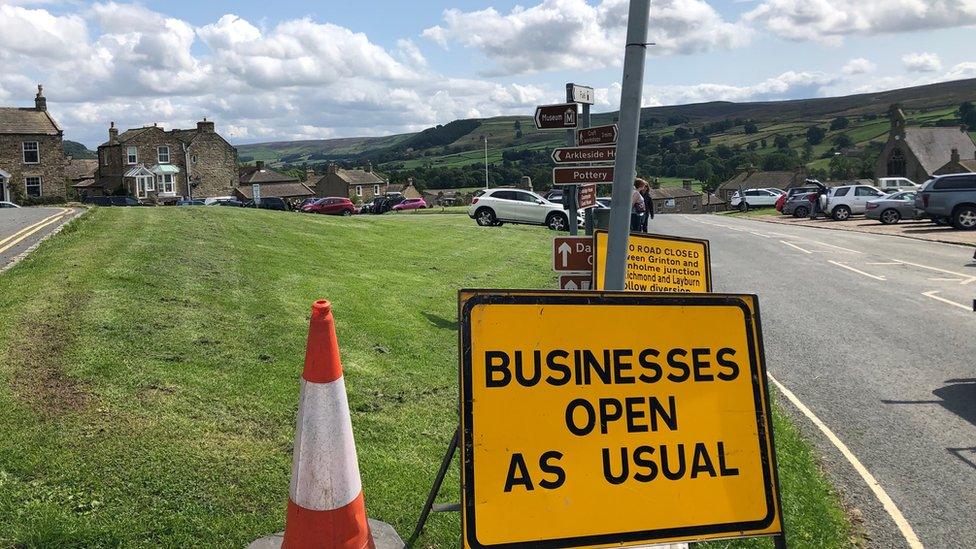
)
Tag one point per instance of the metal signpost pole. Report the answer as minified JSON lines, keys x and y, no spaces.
{"x":584,"y":123}
{"x":570,"y":192}
{"x":629,"y":125}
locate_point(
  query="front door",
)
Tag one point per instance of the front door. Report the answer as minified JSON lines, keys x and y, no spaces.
{"x":4,"y":193}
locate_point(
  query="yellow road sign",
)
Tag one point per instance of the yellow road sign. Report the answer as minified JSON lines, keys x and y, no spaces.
{"x":658,"y":263}
{"x":614,"y":432}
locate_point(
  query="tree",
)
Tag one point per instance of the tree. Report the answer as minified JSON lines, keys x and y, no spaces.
{"x":752,"y":146}
{"x":967,"y":113}
{"x":780,"y":141}
{"x":682,"y":133}
{"x":842,"y":167}
{"x":839,"y":123}
{"x":780,"y":161}
{"x":704,"y":140}
{"x":763,"y":144}
{"x":703,"y":171}
{"x":751,"y":128}
{"x":815,"y":135}
{"x":843,"y":141}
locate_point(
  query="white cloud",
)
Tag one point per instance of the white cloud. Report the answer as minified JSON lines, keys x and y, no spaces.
{"x":27,"y":33}
{"x":787,"y":85}
{"x":858,"y":65}
{"x":572,"y":34}
{"x":828,"y":21}
{"x":922,"y":62}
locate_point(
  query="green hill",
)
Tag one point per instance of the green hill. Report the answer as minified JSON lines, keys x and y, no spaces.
{"x":77,"y":150}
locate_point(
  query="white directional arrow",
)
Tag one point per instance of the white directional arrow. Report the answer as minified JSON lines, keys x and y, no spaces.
{"x":571,"y":285}
{"x":565,"y":250}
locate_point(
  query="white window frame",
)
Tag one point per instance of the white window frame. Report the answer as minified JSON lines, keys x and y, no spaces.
{"x":36,"y":150}
{"x":193,"y":159}
{"x":359,"y":190}
{"x":131,"y":155}
{"x":103,"y":156}
{"x":164,"y":184}
{"x":150,"y":182}
{"x":39,"y":185}
{"x":670,"y":203}
{"x":159,"y":154}
{"x":376,"y":189}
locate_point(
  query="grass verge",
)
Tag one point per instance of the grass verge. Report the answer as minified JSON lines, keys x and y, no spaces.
{"x":149,"y":363}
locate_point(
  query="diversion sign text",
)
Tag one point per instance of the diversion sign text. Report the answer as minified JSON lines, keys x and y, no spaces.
{"x":598,"y":418}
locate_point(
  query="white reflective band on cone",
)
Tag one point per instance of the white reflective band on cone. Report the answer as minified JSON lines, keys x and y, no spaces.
{"x":324,"y":471}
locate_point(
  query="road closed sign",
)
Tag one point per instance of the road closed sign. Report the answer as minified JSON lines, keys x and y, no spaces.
{"x":612,"y":433}
{"x":658,"y":263}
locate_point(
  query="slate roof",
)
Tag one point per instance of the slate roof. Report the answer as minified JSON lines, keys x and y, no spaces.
{"x":30,"y":121}
{"x":281,"y":190}
{"x":672,"y":192}
{"x":186,"y":136}
{"x":932,"y":146}
{"x":359,"y":177}
{"x":712,"y":200}
{"x":759,"y":179}
{"x":251,"y":174}
{"x":81,"y":169}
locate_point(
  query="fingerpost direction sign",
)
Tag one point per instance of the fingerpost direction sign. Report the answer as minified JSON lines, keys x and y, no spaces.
{"x":597,"y":135}
{"x":556,"y":117}
{"x":575,"y":281}
{"x":582,"y":175}
{"x":571,"y":155}
{"x":587,"y":197}
{"x":658,"y":263}
{"x":610,"y":435}
{"x":572,"y":253}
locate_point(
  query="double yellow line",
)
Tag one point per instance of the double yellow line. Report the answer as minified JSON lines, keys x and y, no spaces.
{"x":20,"y":235}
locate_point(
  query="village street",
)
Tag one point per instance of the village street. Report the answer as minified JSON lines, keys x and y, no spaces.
{"x":874,"y":334}
{"x":21,"y":228}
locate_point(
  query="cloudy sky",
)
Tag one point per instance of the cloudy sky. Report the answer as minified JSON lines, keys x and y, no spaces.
{"x":291,"y":69}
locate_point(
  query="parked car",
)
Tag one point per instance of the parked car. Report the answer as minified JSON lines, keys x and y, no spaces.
{"x":554,"y":195}
{"x":216,"y":200}
{"x":895,"y":184}
{"x":952,"y":199}
{"x":300,"y":207}
{"x":799,"y":204}
{"x":269,"y":203}
{"x":332,"y":205}
{"x":229,"y":202}
{"x":774,"y":190}
{"x":5,"y":204}
{"x":384,"y":203}
{"x":893,"y":208}
{"x":840,"y":203}
{"x":753,"y":198}
{"x":603,"y":202}
{"x":410,"y":204}
{"x":494,"y":207}
{"x":191,"y":202}
{"x":113,"y":201}
{"x":780,"y":202}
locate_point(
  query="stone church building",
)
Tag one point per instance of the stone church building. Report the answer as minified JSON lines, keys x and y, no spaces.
{"x":918,"y":153}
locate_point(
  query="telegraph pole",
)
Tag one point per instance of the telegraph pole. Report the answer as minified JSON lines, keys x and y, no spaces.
{"x":629,"y":126}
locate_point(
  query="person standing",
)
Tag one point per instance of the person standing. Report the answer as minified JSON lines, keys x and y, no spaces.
{"x":637,"y":208}
{"x":648,"y":206}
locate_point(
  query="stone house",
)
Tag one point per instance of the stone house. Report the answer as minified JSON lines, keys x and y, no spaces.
{"x":32,"y":159}
{"x":161,"y":166}
{"x":362,"y":184}
{"x":918,"y":153}
{"x":272,"y":183}
{"x":712,"y":203}
{"x":81,"y":176}
{"x":408,"y":190}
{"x":681,"y":199}
{"x":957,"y":164}
{"x":751,"y":178}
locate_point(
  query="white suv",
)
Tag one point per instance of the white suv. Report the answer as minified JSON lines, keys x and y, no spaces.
{"x":493,"y":207}
{"x":754,"y":198}
{"x":895,"y":184}
{"x":841,"y":203}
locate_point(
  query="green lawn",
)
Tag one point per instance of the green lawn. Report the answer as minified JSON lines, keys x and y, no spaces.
{"x":149,"y":364}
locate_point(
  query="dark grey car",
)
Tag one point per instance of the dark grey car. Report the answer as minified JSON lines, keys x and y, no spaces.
{"x":892,"y":208}
{"x":797,"y":205}
{"x":951,"y":197}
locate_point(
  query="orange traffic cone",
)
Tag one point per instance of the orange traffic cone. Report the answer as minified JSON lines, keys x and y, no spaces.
{"x":326,"y":509}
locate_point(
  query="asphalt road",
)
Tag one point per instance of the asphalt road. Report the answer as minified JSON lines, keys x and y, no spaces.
{"x":876,"y":335}
{"x":21,"y":228}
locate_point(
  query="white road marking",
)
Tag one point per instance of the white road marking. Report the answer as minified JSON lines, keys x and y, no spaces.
{"x":837,"y":247}
{"x":885,"y":263}
{"x":944,"y":300}
{"x":889,"y":505}
{"x":966,"y":279}
{"x":944,"y":279}
{"x":790,"y":244}
{"x":852,"y":269}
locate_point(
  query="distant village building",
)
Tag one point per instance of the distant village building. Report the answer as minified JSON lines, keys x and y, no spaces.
{"x":408,"y":190}
{"x":272,"y":183}
{"x":81,"y":176}
{"x":751,"y":178}
{"x":363,"y":184}
{"x":918,"y":153}
{"x":32,"y":160}
{"x":957,"y":164}
{"x":156,"y":165}
{"x":681,"y":199}
{"x":712,"y":203}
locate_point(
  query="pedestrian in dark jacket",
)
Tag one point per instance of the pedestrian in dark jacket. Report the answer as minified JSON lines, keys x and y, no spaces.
{"x":648,"y":206}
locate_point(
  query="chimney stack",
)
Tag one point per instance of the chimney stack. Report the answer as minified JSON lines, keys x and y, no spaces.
{"x":333,"y":168}
{"x":955,"y":156}
{"x":113,"y":133}
{"x":40,"y":102}
{"x":309,"y":174}
{"x":656,"y":183}
{"x":369,"y":167}
{"x":260,"y":164}
{"x":686,"y":184}
{"x":204,"y":126}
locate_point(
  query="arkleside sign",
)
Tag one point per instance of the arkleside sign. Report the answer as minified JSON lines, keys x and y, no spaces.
{"x":582,"y":174}
{"x":597,"y":135}
{"x":658,"y":263}
{"x":571,"y":155}
{"x":578,"y":430}
{"x":556,"y":117}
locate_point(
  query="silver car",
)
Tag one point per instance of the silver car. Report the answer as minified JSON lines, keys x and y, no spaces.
{"x":892,"y":208}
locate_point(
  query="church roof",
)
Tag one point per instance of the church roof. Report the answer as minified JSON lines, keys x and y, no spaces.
{"x":933,"y":146}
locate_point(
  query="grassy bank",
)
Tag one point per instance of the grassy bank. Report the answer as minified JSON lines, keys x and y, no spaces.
{"x":149,"y":360}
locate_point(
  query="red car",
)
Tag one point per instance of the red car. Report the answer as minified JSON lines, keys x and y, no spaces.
{"x":780,"y":202}
{"x":410,"y":204}
{"x":331,"y":205}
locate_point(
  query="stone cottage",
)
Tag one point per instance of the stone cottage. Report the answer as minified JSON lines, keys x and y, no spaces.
{"x":408,"y":189}
{"x":32,"y":160}
{"x":918,"y":153}
{"x":272,"y":183}
{"x":362,"y":184}
{"x":156,"y":165}
{"x":751,"y":178}
{"x":681,"y":199}
{"x":957,"y":164}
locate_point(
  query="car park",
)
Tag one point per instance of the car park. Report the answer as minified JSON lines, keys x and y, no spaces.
{"x":950,"y":199}
{"x":840,"y":203}
{"x":191,"y":202}
{"x":893,"y":208}
{"x":332,"y":205}
{"x":753,"y":198}
{"x":383,"y":204}
{"x":895,"y":184}
{"x":269,"y":203}
{"x":493,"y":207}
{"x":410,"y":204}
{"x":5,"y":204}
{"x":798,"y":205}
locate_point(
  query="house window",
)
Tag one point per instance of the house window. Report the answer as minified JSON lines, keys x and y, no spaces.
{"x":32,"y":153}
{"x":104,"y":157}
{"x":150,"y":183}
{"x":193,"y":159}
{"x":166,"y":183}
{"x":669,"y":203}
{"x":131,"y":155}
{"x":376,"y":189}
{"x":162,"y":155}
{"x":896,"y":163}
{"x":359,"y":190}
{"x":33,"y":186}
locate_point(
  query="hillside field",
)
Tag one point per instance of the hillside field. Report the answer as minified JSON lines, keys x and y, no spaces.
{"x":150,"y":358}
